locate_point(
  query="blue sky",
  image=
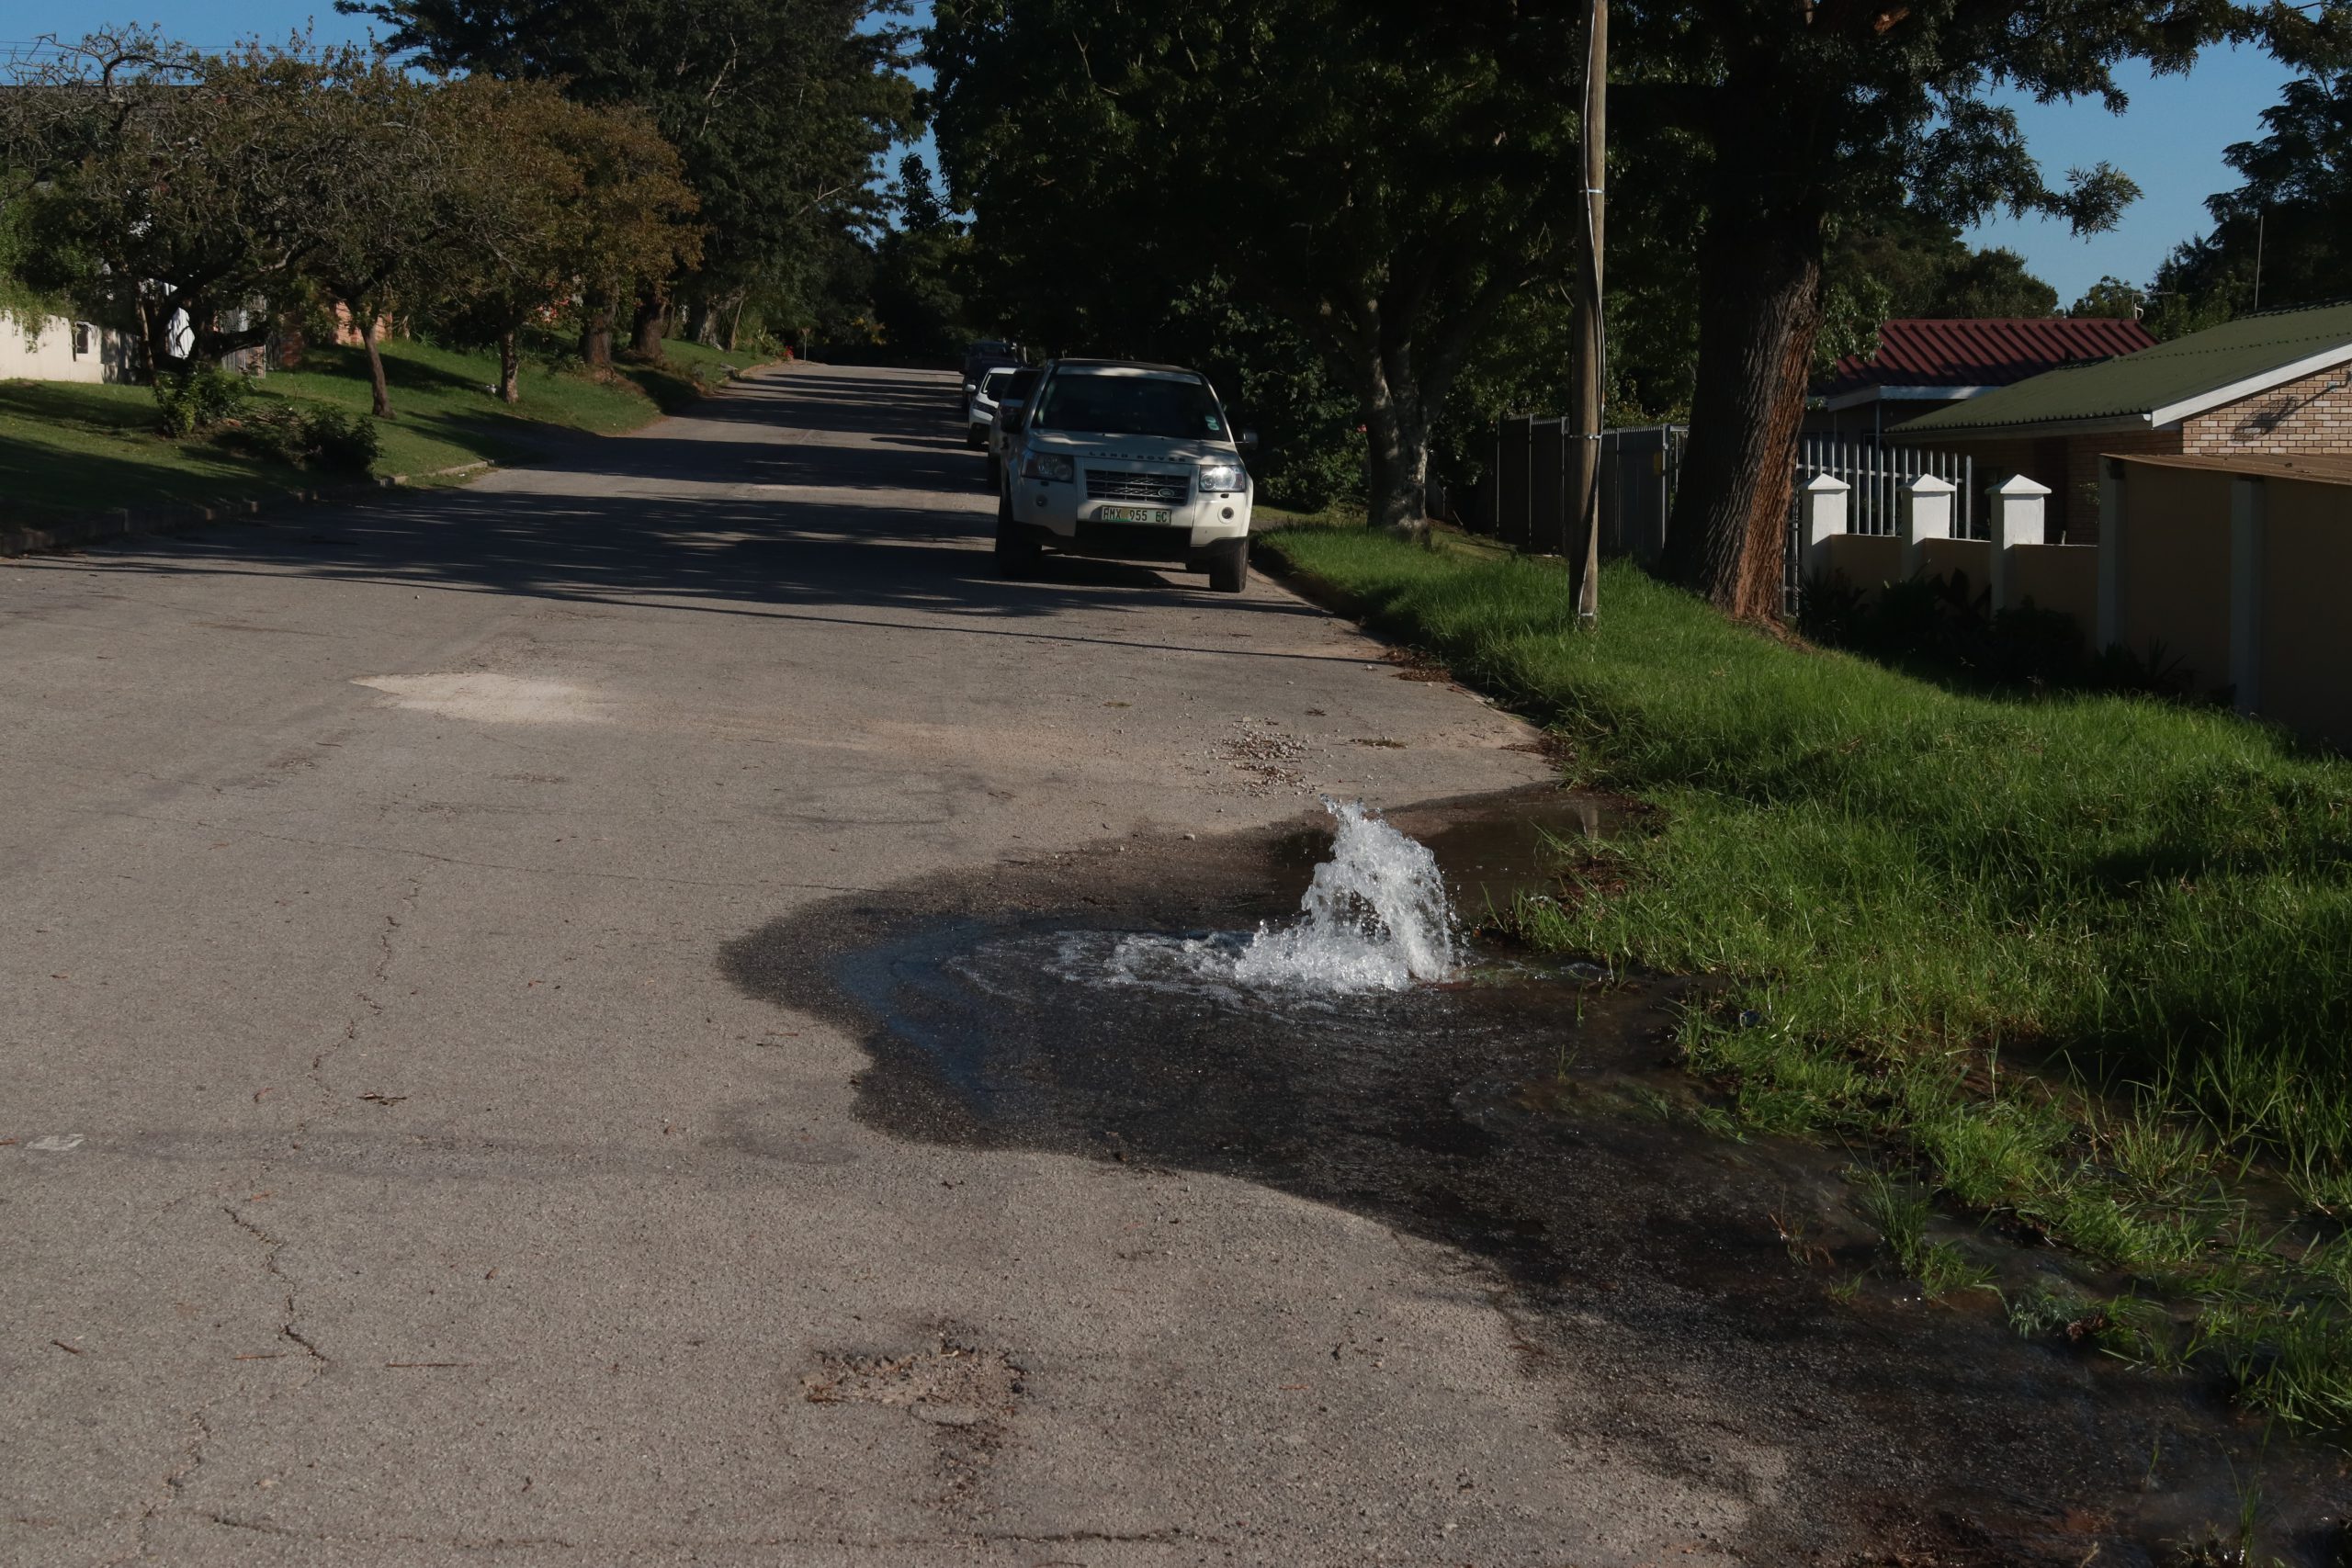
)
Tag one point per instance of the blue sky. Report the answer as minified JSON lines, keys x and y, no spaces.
{"x":2170,"y":141}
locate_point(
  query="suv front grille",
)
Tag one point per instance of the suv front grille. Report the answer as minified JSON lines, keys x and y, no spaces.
{"x":1118,"y":484}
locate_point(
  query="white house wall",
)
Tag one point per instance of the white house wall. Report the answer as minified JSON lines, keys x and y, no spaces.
{"x":46,"y":352}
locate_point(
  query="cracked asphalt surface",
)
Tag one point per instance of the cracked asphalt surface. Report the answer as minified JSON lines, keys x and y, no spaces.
{"x":392,"y":1175}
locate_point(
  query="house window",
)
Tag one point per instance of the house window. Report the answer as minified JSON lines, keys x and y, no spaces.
{"x":84,"y":335}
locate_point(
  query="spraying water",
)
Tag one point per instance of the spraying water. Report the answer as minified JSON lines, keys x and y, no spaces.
{"x":1375,"y":918}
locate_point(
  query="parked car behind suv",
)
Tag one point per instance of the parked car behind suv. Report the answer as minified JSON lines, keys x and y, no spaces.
{"x":1012,"y":396}
{"x":979,"y":409}
{"x":1134,"y":462}
{"x":982,"y":357}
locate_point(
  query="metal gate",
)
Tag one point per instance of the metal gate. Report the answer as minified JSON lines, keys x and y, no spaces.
{"x":1638,"y":470}
{"x":1523,"y":500}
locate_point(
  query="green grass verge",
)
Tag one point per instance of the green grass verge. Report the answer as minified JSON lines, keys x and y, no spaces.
{"x":67,"y":447}
{"x":1913,"y":893}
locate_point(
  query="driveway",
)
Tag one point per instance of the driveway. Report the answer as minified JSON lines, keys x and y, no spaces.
{"x":394,"y":1175}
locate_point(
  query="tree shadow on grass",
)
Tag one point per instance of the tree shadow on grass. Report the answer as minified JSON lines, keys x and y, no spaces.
{"x":45,"y":482}
{"x":111,"y":410}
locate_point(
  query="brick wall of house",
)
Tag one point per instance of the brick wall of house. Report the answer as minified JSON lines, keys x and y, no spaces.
{"x":2307,"y":418}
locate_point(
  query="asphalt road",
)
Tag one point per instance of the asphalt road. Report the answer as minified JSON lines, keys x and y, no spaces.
{"x":392,"y":1176}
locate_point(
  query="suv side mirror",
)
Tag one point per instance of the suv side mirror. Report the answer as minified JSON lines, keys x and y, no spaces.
{"x":1248,"y":442}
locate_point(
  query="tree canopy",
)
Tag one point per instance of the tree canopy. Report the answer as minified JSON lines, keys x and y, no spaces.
{"x":2283,"y":236}
{"x":778,"y":109}
{"x":210,"y":199}
{"x":1385,"y":178}
{"x":160,"y":185}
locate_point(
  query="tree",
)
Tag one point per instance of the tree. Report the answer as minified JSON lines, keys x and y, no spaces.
{"x":1925,"y":269}
{"x":552,"y":198}
{"x":393,"y":219}
{"x":1991,"y":283}
{"x":1827,"y":110}
{"x":175,"y":189}
{"x":778,"y":110}
{"x":2284,"y":235}
{"x":1386,"y":176}
{"x":922,"y":271}
{"x":1905,"y":264}
{"x":2110,"y":298}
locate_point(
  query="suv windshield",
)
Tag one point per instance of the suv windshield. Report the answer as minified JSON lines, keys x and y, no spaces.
{"x":1113,"y":403}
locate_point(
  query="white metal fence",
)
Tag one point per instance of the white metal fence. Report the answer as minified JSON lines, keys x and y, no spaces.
{"x":1875,"y":477}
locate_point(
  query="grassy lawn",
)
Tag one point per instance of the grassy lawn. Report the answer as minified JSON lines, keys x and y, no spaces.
{"x":2077,"y":967}
{"x":67,"y":447}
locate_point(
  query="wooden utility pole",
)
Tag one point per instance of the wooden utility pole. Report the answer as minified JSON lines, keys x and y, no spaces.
{"x":1584,"y":456}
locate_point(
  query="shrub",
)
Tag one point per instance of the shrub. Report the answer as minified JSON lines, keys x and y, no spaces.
{"x":1945,"y":626}
{"x":199,"y":400}
{"x":305,"y":438}
{"x":335,"y":439}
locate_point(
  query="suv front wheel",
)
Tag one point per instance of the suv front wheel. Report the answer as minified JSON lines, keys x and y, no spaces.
{"x":1229,"y":565}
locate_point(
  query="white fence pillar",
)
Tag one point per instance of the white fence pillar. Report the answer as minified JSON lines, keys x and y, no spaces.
{"x":2020,"y":516}
{"x":1926,"y":514}
{"x":2247,"y":512}
{"x":1821,"y":513}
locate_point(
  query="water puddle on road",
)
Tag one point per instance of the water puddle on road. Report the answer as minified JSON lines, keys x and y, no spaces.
{"x":1299,"y":1009}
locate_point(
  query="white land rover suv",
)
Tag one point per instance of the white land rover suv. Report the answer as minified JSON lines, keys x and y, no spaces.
{"x":1134,"y":462}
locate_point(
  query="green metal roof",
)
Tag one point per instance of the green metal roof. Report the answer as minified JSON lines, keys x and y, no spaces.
{"x":2140,"y":384}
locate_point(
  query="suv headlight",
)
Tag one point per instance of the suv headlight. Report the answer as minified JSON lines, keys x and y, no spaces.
{"x":1224,"y":478}
{"x":1047,"y":466}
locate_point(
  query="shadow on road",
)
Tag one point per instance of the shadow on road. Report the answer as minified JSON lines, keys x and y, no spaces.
{"x":839,"y":494}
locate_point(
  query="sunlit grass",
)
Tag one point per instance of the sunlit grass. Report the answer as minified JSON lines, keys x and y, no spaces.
{"x":67,"y":447}
{"x":1911,"y":891}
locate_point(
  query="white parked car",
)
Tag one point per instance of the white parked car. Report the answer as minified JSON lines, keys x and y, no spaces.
{"x":1012,"y":397}
{"x":979,"y":409}
{"x":1133,"y":462}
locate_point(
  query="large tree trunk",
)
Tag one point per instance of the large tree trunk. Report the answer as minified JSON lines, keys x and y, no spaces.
{"x":1398,"y":437}
{"x":652,"y":321}
{"x":365,"y":319}
{"x":596,"y":328}
{"x":510,"y":369}
{"x":1759,"y":311}
{"x":699,"y":325}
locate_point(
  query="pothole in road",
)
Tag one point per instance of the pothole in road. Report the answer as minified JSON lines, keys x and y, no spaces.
{"x":966,"y":1393}
{"x":1532,"y":1116}
{"x":949,"y":1385}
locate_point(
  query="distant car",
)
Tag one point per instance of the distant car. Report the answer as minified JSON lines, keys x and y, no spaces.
{"x":986,"y":356}
{"x":979,"y":409}
{"x":1128,"y":461}
{"x":1012,"y":397}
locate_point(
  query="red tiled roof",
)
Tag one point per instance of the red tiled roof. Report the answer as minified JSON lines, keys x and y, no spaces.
{"x":1984,"y":353}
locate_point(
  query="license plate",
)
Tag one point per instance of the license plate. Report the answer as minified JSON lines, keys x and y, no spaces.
{"x":1131,"y":514}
